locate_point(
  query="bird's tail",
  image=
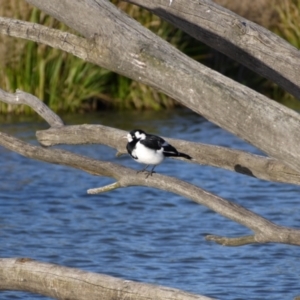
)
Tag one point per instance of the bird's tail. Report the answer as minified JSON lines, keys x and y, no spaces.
{"x":172,"y":152}
{"x":184,"y":155}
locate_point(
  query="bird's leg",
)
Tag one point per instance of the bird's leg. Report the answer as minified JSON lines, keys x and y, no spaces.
{"x":143,"y":169}
{"x":151,"y":172}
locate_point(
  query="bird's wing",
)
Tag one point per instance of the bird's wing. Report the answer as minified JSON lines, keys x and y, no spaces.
{"x":130,"y":149}
{"x":152,"y":141}
{"x":169,"y":150}
{"x":156,"y":143}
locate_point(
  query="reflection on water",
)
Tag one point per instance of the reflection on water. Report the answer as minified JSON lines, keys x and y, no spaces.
{"x":140,"y":233}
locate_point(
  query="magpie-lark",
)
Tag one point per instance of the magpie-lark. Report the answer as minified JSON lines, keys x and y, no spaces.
{"x":150,"y":149}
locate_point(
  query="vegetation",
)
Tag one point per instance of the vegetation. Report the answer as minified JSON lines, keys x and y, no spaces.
{"x":288,"y":27}
{"x":62,"y":81}
{"x":67,"y":83}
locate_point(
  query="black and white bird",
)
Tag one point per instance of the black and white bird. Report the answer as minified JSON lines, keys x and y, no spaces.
{"x":150,"y":149}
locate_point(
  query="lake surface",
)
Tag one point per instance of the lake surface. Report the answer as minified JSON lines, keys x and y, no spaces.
{"x":140,"y":233}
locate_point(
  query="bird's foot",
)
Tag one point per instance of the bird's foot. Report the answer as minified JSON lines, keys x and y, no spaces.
{"x":149,"y":173}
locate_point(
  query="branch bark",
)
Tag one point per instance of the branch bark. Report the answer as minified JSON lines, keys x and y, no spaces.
{"x":68,"y":283}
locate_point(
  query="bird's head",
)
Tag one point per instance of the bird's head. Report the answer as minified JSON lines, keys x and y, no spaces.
{"x":136,"y":134}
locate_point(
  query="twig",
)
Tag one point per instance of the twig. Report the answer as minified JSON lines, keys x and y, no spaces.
{"x":104,"y":189}
{"x":225,"y":241}
{"x":36,"y":104}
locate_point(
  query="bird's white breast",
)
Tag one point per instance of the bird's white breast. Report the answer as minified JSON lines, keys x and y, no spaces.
{"x":148,"y":156}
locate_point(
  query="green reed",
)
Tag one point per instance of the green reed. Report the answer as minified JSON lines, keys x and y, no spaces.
{"x":288,"y":27}
{"x":62,"y":81}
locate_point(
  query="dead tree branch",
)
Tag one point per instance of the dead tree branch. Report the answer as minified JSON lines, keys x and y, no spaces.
{"x":240,"y":39}
{"x":68,"y":283}
{"x":221,"y":157}
{"x":64,"y":41}
{"x":36,"y":104}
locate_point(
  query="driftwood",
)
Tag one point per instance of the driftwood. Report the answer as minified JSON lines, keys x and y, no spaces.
{"x":68,"y":283}
{"x":234,"y":160}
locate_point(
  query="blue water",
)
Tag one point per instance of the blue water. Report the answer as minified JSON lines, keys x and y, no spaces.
{"x":140,"y":233}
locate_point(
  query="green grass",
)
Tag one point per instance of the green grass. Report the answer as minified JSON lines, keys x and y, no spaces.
{"x":61,"y":80}
{"x":288,"y":27}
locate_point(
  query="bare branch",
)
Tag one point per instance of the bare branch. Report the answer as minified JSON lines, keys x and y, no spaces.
{"x":242,"y":40}
{"x":265,"y":231}
{"x":36,"y":104}
{"x":225,"y":241}
{"x":104,"y":189}
{"x":65,"y":41}
{"x":69,"y":283}
{"x":221,"y":157}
